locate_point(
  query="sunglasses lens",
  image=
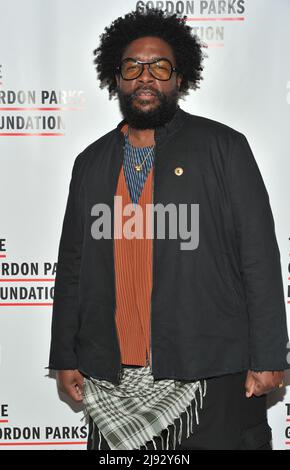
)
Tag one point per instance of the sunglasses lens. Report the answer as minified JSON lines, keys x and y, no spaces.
{"x":161,"y":69}
{"x":130,"y":69}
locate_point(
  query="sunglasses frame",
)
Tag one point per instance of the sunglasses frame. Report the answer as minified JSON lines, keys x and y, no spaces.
{"x":127,"y":59}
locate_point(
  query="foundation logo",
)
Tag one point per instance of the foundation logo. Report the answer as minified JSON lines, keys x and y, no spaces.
{"x":25,"y":284}
{"x":28,"y":113}
{"x":12,"y":436}
{"x":287,"y":430}
{"x":207,"y":17}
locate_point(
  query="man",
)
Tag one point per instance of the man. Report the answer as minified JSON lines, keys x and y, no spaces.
{"x":141,"y":325}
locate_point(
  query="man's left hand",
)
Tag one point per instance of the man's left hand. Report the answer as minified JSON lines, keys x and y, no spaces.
{"x":259,"y":383}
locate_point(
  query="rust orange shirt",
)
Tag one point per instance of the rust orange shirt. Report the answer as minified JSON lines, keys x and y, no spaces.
{"x":133,"y":274}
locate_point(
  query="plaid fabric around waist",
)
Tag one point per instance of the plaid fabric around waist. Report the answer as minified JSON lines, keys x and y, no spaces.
{"x":134,"y":412}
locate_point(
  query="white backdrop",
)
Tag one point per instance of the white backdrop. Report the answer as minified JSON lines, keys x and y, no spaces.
{"x":46,"y":62}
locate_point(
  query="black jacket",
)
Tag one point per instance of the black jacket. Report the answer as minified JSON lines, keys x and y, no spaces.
{"x":215,"y":310}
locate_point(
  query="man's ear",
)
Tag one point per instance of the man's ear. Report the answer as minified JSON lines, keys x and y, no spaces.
{"x":117,"y":77}
{"x":179,"y":80}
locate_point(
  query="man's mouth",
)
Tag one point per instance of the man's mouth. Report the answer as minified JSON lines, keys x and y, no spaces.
{"x":144,"y":94}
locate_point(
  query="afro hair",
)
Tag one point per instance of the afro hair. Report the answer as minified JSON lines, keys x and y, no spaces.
{"x":186,"y":47}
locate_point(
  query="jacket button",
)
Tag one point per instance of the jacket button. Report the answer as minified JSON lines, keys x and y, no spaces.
{"x":178,"y":171}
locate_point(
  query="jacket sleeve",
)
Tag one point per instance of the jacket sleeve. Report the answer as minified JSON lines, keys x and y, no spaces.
{"x":64,"y":326}
{"x":260,"y":261}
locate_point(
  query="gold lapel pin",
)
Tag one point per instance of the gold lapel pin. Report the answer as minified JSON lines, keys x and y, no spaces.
{"x":178,"y":171}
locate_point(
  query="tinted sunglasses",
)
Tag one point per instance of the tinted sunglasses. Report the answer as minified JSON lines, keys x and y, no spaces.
{"x":161,"y":68}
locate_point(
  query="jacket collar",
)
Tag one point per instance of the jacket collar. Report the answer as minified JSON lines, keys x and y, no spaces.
{"x":162,"y":133}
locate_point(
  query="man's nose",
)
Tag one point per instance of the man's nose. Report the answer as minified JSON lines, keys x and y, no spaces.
{"x":146,"y":75}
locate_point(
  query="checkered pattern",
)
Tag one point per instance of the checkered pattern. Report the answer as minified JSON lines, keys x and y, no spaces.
{"x":134,"y":412}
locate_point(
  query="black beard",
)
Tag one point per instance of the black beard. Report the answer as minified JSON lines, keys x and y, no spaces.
{"x":153,"y":118}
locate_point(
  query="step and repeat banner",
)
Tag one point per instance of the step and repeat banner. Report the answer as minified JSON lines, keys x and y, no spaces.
{"x":51,"y":108}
